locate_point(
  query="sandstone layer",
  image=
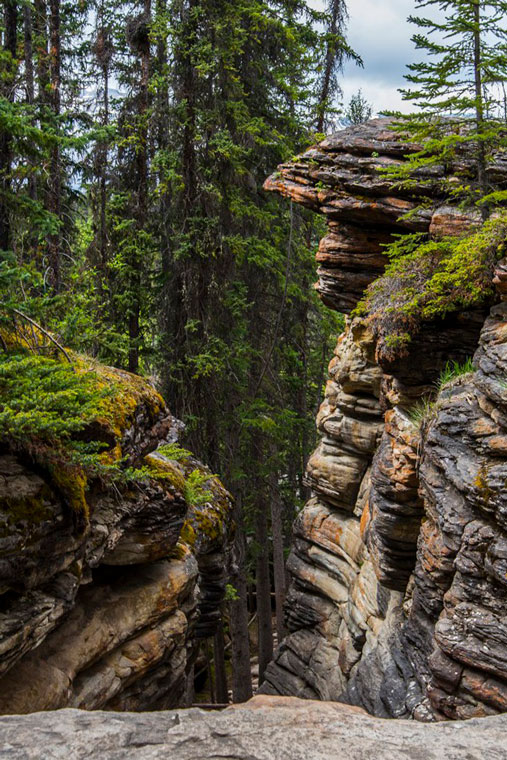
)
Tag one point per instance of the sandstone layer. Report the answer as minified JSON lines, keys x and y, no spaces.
{"x":398,"y":595}
{"x":103,"y":608}
{"x":264,"y":729}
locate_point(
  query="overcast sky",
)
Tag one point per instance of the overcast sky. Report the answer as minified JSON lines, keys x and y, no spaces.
{"x":379,"y":32}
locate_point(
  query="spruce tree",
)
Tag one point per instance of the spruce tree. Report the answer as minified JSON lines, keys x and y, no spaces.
{"x":457,"y":89}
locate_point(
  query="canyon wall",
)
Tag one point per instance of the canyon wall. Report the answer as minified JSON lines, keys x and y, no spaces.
{"x":398,"y":594}
{"x":102,"y":606}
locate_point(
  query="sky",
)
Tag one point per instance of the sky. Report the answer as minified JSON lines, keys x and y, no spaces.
{"x":378,"y":30}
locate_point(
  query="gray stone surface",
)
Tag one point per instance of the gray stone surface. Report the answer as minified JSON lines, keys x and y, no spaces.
{"x":264,"y":729}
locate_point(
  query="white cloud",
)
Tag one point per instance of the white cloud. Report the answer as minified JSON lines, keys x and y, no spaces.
{"x":379,"y":32}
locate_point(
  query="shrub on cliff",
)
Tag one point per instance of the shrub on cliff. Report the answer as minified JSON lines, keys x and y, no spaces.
{"x":426,"y":280}
{"x":68,"y":413}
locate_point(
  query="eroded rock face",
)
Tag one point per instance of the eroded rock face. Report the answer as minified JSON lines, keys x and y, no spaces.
{"x":398,"y":599}
{"x":106,"y":613}
{"x":264,"y":728}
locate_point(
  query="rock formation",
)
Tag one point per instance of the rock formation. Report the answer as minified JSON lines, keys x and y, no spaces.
{"x":263,"y":729}
{"x":102,"y":608}
{"x":398,"y":596}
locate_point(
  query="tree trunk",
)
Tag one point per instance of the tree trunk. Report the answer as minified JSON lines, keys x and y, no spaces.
{"x":222,"y":693}
{"x":55,"y":180}
{"x":142,"y":200}
{"x":333,"y":57}
{"x":241,"y":671}
{"x":10,"y":44}
{"x":278,"y":554}
{"x":263,"y":590}
{"x":479,"y":109}
{"x":29,"y":82}
{"x":103,"y":179}
{"x":28,"y":52}
{"x":41,"y":49}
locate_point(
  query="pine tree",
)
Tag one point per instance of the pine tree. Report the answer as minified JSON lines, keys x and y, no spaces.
{"x":456,"y":89}
{"x":336,"y":52}
{"x":358,"y":110}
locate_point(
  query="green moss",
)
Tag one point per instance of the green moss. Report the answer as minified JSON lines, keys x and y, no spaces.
{"x":71,"y":480}
{"x":33,"y":509}
{"x":209,"y":508}
{"x":165,"y":470}
{"x":482,"y":485}
{"x":70,"y":419}
{"x":122,"y":394}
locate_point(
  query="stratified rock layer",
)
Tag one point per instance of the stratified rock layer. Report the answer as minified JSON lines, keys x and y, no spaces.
{"x":263,"y":729}
{"x":398,"y":597}
{"x":104,"y":611}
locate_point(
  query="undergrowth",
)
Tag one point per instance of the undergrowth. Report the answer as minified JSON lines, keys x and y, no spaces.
{"x":421,"y":413}
{"x":69,"y":419}
{"x":453,"y":371}
{"x":174,"y":451}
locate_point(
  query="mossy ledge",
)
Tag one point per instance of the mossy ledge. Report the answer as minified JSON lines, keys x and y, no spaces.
{"x":100,"y":509}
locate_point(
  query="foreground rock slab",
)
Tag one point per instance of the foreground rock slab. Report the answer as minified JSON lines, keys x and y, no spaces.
{"x":266,"y":728}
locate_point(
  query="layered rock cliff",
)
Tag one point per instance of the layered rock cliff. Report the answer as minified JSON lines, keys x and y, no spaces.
{"x":398,"y":595}
{"x":103,"y":597}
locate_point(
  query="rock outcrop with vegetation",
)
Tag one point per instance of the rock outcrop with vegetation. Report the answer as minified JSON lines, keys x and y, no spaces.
{"x":113,"y":539}
{"x":398,"y":598}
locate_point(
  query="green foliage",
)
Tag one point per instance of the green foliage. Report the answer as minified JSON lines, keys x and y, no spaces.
{"x":426,"y":280}
{"x":453,"y":371}
{"x":422,"y":412}
{"x":174,"y":451}
{"x":195,"y":492}
{"x":425,"y":409}
{"x":46,"y":400}
{"x":457,"y":89}
{"x":231,"y":594}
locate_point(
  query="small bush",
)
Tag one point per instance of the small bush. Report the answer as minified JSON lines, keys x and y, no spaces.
{"x":174,"y":452}
{"x":422,"y":411}
{"x":195,"y":492}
